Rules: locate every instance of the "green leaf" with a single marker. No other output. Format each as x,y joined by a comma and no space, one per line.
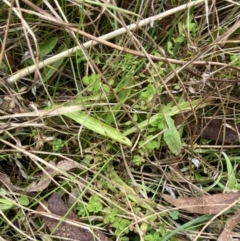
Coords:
179,39
80,57
50,70
149,93
126,239
48,46
174,215
5,204
162,229
159,122
187,225
232,180
153,144
3,191
23,200
93,83
169,47
87,80
44,49
99,127
153,237
172,136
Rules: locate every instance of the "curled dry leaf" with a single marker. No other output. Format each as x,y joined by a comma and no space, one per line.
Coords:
45,179
232,222
214,130
211,204
65,230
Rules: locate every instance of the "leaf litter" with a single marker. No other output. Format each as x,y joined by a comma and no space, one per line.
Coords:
232,222
214,130
209,204
56,205
64,230
213,204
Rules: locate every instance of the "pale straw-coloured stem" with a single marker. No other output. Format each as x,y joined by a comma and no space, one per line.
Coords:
20,74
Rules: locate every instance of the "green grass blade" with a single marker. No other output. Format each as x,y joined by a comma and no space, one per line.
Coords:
48,46
171,111
5,204
49,71
99,127
230,172
189,224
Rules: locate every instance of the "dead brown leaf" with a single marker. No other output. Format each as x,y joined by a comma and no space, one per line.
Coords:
211,204
232,222
216,130
65,230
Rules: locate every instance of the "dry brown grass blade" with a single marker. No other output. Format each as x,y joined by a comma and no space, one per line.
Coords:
65,230
232,222
214,130
211,204
44,113
45,179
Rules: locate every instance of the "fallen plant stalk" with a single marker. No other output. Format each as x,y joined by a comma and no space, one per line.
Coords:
20,74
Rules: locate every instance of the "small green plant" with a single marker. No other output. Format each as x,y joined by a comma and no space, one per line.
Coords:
138,160
151,143
235,59
93,83
4,68
158,124
94,205
149,93
153,236
121,226
112,218
174,215
186,29
162,229
82,210
111,214
157,235
58,144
